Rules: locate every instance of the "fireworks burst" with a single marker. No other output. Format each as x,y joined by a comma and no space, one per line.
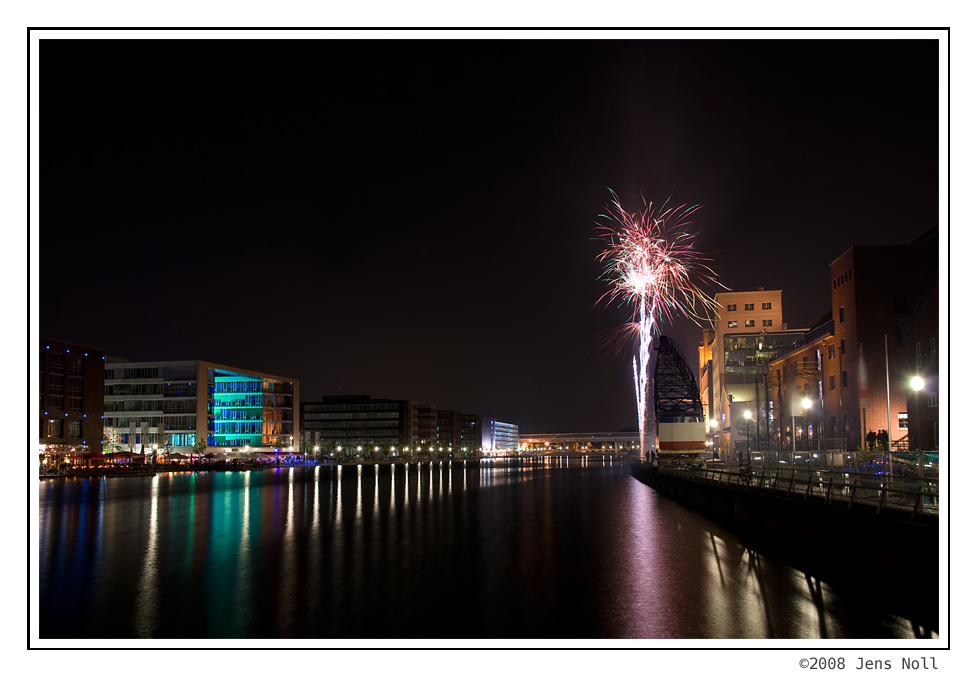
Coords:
650,264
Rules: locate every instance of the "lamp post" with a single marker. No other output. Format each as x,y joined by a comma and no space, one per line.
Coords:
806,403
917,384
712,434
315,454
747,415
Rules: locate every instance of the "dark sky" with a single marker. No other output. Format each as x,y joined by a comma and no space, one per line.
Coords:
415,219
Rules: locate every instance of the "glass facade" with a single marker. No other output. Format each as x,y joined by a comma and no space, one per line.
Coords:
748,355
238,407
250,411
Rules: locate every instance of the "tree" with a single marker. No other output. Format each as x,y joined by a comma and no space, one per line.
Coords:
201,446
111,438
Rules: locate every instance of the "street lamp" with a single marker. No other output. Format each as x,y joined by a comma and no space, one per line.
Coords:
806,403
917,384
315,453
712,432
747,415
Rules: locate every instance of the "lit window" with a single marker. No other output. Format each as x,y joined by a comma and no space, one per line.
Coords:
767,306
731,323
903,420
841,314
747,306
749,323
768,323
732,306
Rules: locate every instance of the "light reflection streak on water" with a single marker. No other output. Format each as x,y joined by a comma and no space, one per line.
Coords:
286,609
376,489
359,492
315,501
243,581
147,595
337,499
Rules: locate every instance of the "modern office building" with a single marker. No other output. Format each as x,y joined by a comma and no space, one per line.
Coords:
471,432
426,416
70,391
449,429
747,330
180,403
499,435
348,421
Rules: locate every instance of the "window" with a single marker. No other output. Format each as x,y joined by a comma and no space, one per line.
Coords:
768,323
749,323
844,379
932,351
834,426
57,363
76,368
731,323
919,354
845,422
731,307
903,420
841,347
831,382
831,351
747,306
54,428
932,400
74,428
841,314
767,306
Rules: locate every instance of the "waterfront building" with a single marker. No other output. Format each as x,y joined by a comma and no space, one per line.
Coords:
181,404
426,416
499,435
471,432
343,422
449,429
859,364
747,330
71,384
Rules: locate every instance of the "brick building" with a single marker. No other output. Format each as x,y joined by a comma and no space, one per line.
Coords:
884,311
71,396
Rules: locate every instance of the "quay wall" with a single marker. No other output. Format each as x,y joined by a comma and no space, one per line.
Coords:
858,539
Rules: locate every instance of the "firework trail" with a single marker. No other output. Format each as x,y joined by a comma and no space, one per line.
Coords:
649,263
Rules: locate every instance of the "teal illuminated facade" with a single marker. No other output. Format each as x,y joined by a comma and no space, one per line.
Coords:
177,403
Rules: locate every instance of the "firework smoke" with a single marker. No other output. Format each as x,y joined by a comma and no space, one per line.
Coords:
651,265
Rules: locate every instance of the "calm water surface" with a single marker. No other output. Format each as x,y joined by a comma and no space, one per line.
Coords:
512,549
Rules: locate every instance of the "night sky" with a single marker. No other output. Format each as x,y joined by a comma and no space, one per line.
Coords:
415,219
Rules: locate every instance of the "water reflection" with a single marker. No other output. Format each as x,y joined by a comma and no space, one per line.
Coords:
148,593
548,547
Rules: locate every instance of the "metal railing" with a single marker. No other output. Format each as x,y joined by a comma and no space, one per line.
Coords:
912,493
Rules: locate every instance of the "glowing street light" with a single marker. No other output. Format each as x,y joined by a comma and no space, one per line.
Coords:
917,384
